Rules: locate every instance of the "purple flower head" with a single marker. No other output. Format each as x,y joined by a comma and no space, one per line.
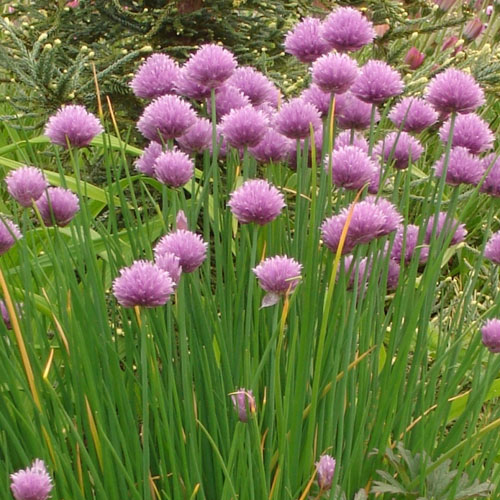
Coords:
145,163
155,77
58,206
463,167
492,250
377,82
256,200
392,217
294,118
351,267
166,118
244,403
211,65
189,247
305,41
470,131
143,284
454,91
413,114
393,272
5,315
459,231
9,234
244,127
491,184
278,275
32,483
325,469
346,29
72,124
170,263
414,58
331,231
344,139
373,187
26,185
173,168
368,222
490,333
187,87
407,237
315,96
352,168
353,113
473,28
228,98
254,85
399,147
197,138
334,73
273,148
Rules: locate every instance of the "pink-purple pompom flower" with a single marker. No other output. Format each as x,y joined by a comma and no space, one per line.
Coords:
170,263
295,117
211,65
377,82
463,167
58,206
278,275
228,98
454,90
304,41
244,127
490,333
346,29
167,117
317,97
351,167
26,185
143,284
448,225
353,113
470,131
155,77
173,168
72,124
370,219
256,200
492,249
334,73
273,148
406,239
491,184
145,163
254,85
413,114
399,147
32,483
189,247
9,234
198,137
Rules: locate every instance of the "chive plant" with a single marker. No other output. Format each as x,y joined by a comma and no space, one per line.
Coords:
224,337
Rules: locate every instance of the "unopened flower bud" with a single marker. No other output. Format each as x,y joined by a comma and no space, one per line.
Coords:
325,469
243,402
